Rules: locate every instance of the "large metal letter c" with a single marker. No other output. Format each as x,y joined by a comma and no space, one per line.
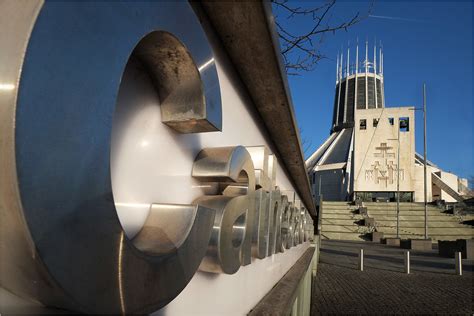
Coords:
61,240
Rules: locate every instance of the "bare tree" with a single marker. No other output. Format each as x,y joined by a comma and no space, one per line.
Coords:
305,143
301,51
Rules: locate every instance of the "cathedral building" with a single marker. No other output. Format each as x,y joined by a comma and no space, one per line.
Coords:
370,152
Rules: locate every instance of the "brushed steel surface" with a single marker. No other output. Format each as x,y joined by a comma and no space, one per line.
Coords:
62,243
19,266
297,223
260,155
272,163
190,96
291,226
233,168
230,165
262,180
275,208
261,228
302,224
226,246
285,224
173,228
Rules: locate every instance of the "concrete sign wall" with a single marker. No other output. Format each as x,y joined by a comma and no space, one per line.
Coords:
135,171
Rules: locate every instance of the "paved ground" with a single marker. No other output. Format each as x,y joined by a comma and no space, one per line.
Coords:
382,288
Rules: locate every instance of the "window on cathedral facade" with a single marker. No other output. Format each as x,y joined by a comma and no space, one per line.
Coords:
404,124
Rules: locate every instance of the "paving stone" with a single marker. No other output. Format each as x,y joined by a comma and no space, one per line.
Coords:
382,288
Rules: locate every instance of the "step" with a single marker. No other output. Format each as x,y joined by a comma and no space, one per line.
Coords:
406,205
338,208
353,228
415,206
435,238
337,211
417,213
393,222
433,209
395,203
434,230
336,203
416,219
439,224
422,211
341,216
446,218
341,236
338,221
371,204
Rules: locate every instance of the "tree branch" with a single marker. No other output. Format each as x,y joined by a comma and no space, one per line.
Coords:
299,51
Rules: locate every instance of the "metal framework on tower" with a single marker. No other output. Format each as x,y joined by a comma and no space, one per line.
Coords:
359,86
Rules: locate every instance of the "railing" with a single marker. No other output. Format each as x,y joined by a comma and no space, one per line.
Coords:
360,70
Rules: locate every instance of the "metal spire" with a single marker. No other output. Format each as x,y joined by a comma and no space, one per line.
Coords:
366,55
337,68
375,56
375,73
381,61
380,58
341,65
357,56
424,160
348,62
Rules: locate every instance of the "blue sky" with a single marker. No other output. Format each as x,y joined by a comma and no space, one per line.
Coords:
425,41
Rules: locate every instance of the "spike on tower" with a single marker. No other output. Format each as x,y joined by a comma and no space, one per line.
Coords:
357,88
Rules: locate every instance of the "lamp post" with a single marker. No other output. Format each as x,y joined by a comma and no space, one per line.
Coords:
398,180
398,177
425,181
424,161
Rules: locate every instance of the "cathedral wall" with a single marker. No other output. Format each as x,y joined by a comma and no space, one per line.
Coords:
419,183
451,180
375,150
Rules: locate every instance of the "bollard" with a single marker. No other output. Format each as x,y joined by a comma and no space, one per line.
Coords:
458,262
361,260
407,262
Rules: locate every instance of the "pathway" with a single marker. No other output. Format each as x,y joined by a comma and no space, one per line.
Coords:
383,288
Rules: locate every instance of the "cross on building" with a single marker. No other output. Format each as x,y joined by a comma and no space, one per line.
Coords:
383,151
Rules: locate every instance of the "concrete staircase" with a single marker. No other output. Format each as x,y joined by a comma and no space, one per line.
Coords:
341,221
441,226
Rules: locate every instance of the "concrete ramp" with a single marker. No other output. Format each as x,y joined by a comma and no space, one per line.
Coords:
445,187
